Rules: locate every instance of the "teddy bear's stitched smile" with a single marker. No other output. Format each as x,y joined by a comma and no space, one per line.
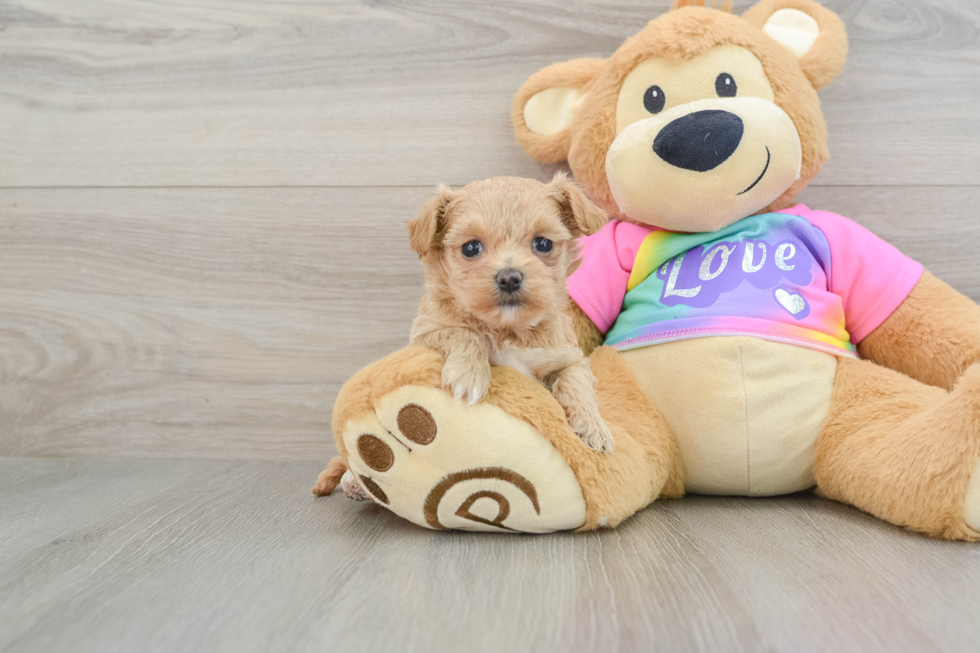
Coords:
761,175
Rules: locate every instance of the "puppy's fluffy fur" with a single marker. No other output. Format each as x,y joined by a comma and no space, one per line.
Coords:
473,320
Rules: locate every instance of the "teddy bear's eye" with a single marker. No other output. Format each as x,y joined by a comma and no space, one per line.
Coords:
542,245
472,248
654,99
725,85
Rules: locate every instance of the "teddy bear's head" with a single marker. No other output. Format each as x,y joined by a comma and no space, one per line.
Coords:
700,120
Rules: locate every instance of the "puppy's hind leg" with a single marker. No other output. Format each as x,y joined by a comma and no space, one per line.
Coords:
352,488
575,389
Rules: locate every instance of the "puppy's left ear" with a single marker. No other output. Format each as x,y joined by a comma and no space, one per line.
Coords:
578,213
814,34
425,231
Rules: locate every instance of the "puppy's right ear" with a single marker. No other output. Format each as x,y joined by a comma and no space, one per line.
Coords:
425,231
545,105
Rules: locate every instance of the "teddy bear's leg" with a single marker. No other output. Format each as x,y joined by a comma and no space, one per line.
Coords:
904,451
510,462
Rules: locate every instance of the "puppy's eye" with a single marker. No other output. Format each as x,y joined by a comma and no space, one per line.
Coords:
725,85
472,248
542,245
654,99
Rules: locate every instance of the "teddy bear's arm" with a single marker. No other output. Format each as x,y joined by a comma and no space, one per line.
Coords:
588,335
933,336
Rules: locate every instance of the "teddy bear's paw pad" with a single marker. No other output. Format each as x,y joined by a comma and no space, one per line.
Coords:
449,465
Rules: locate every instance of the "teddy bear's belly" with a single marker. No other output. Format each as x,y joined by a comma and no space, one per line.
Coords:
746,411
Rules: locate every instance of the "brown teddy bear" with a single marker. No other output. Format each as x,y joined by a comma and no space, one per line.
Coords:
756,346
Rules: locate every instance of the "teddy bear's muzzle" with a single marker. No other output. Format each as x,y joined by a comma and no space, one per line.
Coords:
704,165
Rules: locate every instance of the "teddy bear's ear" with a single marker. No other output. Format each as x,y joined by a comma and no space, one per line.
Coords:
425,231
545,105
578,213
815,35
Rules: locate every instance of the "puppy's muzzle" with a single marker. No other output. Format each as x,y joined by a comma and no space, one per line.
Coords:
509,280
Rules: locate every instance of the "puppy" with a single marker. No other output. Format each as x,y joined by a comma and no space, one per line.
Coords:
496,255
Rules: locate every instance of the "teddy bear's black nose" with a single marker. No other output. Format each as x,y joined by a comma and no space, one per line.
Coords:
699,141
509,280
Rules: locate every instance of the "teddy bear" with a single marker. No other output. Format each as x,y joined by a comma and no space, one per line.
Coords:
743,344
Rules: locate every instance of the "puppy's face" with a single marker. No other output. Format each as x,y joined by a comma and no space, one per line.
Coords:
506,255
503,248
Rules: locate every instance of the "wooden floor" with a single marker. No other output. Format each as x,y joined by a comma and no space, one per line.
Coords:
201,238
197,555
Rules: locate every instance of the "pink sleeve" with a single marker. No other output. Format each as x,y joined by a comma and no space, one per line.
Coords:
599,285
871,276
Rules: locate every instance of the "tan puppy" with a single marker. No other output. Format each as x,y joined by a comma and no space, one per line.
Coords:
496,255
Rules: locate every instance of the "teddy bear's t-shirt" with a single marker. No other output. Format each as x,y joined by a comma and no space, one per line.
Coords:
800,276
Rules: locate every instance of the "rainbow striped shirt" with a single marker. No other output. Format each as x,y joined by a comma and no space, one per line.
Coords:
799,276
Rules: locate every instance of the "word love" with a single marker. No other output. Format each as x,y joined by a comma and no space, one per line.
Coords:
698,276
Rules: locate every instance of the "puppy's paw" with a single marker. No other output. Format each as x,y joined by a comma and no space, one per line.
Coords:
593,431
352,488
468,382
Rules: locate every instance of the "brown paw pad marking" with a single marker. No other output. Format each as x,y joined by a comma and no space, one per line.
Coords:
417,424
503,508
374,489
431,508
375,453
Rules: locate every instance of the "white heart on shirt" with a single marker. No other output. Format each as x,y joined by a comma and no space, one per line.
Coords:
792,302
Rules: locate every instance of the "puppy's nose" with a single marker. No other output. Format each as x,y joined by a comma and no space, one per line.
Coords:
509,280
699,141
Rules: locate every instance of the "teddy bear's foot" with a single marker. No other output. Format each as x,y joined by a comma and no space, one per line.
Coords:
971,512
444,464
509,463
904,451
971,504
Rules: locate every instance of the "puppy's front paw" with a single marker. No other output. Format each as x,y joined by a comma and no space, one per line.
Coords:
468,381
593,431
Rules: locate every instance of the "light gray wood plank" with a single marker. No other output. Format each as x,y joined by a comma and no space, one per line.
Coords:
330,93
799,557
220,323
223,556
214,323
